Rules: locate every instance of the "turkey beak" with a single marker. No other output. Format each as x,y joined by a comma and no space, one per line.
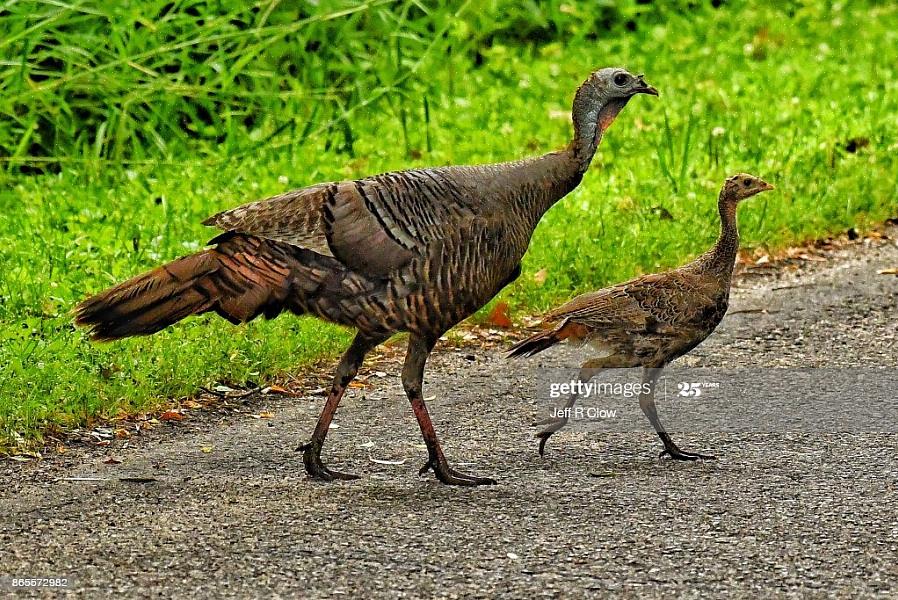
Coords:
643,88
766,186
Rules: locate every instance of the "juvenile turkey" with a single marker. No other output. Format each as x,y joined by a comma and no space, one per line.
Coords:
651,320
414,251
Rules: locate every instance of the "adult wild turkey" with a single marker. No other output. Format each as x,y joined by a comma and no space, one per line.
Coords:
651,320
414,251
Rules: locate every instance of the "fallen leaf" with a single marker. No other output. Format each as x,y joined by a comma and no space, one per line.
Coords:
888,271
499,316
540,276
171,415
276,389
266,415
763,260
110,460
207,449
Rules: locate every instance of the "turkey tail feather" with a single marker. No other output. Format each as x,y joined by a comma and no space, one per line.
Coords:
538,342
239,279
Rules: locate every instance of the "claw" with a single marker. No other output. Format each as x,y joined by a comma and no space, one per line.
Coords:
315,468
450,476
554,425
543,438
677,454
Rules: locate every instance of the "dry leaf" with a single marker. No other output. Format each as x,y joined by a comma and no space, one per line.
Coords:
889,272
266,415
276,389
207,449
171,415
540,276
499,316
110,460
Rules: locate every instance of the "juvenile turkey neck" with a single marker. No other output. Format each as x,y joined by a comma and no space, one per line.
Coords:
722,257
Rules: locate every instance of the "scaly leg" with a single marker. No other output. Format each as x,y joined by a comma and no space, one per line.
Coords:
647,404
413,380
346,372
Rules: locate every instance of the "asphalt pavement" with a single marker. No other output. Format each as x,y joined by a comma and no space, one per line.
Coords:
799,502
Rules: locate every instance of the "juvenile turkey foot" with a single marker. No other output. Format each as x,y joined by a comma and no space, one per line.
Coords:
544,435
671,450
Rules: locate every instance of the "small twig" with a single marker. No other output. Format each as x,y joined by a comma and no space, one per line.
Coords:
789,287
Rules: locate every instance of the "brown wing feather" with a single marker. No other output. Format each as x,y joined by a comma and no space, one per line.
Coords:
374,225
660,302
295,218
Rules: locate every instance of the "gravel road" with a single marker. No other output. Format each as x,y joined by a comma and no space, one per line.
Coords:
789,508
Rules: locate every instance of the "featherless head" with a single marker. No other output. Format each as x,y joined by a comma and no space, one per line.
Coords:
615,82
742,186
597,103
602,96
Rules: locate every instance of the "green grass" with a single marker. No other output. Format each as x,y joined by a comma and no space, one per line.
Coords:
107,169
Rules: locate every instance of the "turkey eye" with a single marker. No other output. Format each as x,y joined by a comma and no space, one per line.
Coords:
620,79
746,182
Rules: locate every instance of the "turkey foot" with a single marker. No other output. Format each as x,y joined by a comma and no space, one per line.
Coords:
671,450
544,435
311,458
450,476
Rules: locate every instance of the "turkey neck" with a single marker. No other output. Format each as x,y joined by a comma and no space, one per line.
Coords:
722,257
545,180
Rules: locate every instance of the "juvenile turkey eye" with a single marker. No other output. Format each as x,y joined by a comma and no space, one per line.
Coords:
745,182
620,79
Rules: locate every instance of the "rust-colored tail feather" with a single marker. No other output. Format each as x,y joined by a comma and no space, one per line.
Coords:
538,342
239,279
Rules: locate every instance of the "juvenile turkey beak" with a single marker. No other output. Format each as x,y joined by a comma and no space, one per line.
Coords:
766,186
643,88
